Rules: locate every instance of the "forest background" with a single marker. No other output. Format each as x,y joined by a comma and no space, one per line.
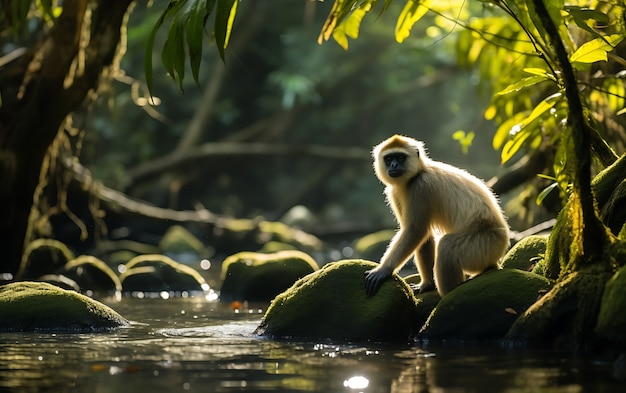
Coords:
288,122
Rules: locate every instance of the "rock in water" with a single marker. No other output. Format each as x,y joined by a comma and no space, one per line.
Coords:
331,304
38,306
256,276
485,307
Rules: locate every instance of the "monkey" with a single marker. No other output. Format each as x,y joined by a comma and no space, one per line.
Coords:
448,219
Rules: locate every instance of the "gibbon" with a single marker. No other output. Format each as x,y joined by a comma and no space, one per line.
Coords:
432,199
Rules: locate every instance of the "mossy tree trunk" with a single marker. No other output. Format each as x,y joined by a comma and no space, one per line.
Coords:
580,246
40,88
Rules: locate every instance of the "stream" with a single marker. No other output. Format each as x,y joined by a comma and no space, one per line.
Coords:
196,345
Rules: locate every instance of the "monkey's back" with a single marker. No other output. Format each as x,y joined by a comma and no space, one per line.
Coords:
458,201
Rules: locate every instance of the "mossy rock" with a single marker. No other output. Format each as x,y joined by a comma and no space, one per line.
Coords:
179,240
426,302
156,273
92,274
331,304
484,307
43,256
611,323
540,268
272,247
256,276
526,253
373,246
38,306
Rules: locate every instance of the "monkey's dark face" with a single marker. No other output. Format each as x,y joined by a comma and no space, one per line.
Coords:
395,163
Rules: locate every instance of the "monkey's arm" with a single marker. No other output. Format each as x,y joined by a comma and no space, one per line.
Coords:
400,249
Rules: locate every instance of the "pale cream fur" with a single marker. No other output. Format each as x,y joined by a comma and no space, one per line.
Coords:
432,197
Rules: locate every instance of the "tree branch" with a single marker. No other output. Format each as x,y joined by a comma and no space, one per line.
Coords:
211,150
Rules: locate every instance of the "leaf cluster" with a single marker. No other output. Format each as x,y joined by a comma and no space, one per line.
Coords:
528,103
185,35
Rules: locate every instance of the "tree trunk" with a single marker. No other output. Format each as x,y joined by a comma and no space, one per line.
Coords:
47,84
579,248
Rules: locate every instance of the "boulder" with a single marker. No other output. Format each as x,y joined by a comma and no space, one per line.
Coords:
257,276
39,306
484,307
331,304
526,253
92,274
180,244
373,246
43,256
157,273
426,302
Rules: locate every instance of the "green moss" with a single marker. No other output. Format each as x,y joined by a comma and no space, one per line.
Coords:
540,268
178,240
331,304
484,307
373,246
259,277
566,315
526,253
612,317
426,303
33,306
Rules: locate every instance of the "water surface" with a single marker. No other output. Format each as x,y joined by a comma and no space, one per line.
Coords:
193,345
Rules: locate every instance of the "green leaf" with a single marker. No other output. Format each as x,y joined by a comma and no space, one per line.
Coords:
581,15
173,54
334,23
544,193
547,177
540,72
522,83
512,146
172,7
518,129
224,18
504,130
541,108
196,14
596,49
413,11
350,26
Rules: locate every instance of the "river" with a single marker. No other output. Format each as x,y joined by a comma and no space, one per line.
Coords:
196,345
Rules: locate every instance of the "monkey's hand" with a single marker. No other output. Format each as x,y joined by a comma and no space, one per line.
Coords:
374,279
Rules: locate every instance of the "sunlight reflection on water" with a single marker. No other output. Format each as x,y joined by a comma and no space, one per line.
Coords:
198,346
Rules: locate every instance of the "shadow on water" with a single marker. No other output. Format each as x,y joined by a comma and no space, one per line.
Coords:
180,345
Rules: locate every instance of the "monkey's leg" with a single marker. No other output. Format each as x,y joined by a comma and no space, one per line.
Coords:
451,250
425,261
